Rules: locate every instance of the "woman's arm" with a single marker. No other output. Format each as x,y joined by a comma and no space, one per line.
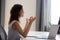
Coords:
24,32
28,25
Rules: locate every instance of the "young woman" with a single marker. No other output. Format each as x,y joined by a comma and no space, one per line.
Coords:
14,28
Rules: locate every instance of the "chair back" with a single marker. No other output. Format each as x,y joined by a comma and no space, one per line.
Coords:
3,34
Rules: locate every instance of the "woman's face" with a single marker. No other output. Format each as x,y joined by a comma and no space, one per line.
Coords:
21,13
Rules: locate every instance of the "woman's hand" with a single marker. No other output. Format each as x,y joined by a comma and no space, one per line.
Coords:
27,21
32,19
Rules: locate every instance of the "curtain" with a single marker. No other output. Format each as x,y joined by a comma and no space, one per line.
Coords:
44,15
41,14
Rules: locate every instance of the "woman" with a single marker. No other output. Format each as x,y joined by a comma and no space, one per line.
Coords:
14,28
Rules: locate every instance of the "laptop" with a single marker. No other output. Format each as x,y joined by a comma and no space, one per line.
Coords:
51,35
53,31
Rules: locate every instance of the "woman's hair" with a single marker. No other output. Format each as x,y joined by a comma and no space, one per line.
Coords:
14,13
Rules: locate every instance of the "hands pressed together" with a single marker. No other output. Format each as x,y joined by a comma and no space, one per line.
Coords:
30,20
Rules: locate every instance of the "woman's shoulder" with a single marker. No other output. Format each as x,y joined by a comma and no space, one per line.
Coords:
14,22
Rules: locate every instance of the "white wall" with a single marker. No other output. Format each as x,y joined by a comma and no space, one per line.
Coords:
29,9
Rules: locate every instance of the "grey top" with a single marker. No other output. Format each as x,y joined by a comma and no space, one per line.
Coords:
13,34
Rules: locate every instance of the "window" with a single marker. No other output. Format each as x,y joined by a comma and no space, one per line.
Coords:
55,11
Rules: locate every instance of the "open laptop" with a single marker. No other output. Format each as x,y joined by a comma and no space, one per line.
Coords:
53,31
51,35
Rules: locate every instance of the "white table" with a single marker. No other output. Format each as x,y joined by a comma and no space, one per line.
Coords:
36,36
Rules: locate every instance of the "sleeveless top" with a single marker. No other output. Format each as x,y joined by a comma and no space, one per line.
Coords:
13,34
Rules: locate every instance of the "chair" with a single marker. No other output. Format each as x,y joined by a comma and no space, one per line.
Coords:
3,34
59,27
0,37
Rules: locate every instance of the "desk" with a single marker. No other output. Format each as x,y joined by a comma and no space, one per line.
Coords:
38,35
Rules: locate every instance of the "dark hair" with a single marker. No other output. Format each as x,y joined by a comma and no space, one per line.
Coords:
14,13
